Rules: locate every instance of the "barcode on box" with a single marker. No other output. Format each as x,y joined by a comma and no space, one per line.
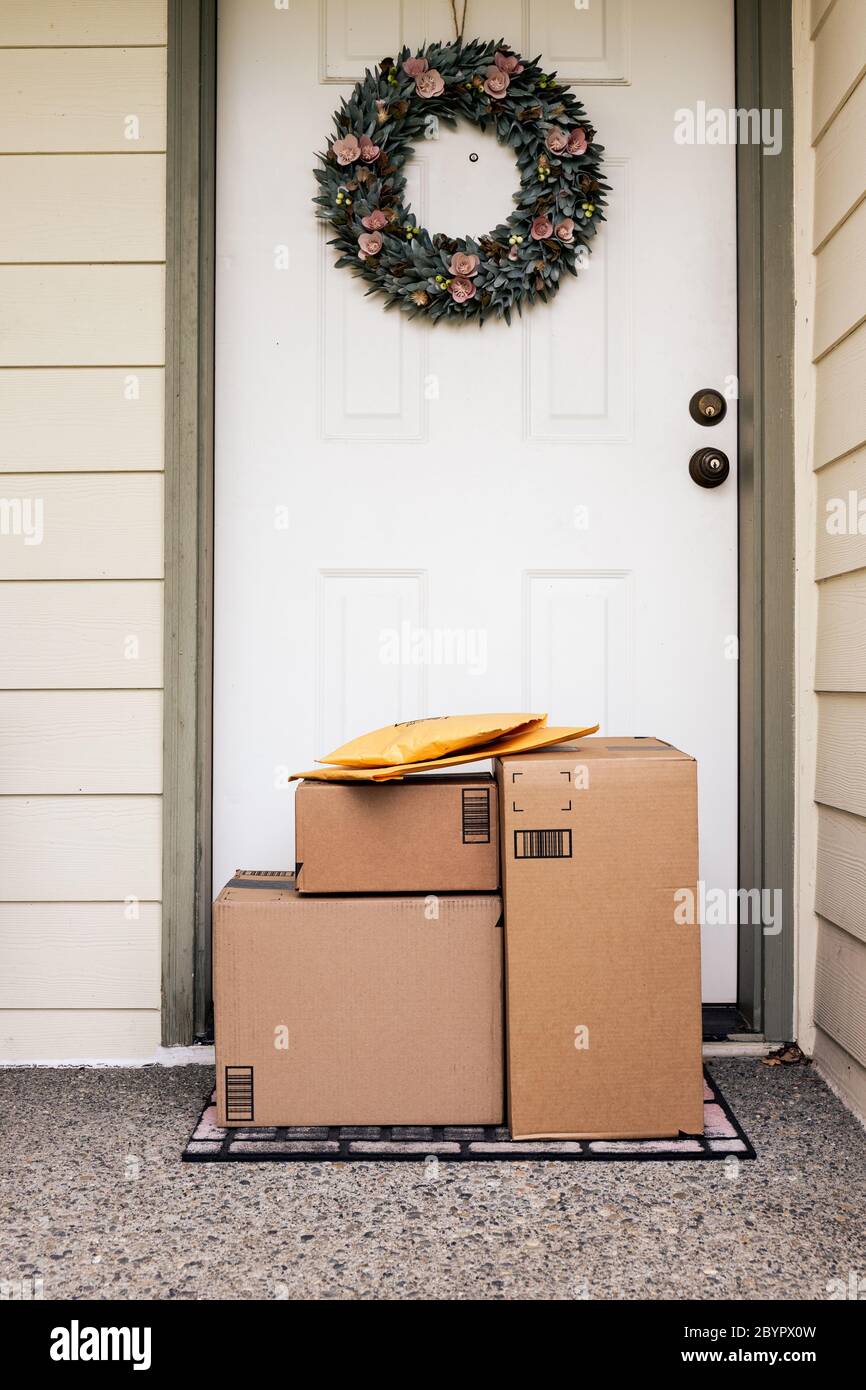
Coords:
239,1095
476,815
542,844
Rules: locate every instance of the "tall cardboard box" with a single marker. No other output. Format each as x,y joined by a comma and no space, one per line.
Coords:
603,985
356,1011
424,835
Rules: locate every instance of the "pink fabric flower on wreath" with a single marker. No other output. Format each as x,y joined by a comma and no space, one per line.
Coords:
346,150
557,140
542,228
463,265
577,142
496,82
368,151
369,244
508,64
413,67
429,84
564,230
462,289
375,220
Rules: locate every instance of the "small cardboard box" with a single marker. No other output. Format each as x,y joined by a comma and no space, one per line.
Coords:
425,835
603,983
356,1011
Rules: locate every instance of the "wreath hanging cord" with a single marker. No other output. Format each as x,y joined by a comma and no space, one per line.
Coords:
559,204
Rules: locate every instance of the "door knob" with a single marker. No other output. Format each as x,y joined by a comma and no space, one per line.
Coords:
708,407
709,467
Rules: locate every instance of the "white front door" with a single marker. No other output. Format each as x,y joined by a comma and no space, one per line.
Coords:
520,495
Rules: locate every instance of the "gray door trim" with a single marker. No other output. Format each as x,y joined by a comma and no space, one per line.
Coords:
766,480
188,640
765,199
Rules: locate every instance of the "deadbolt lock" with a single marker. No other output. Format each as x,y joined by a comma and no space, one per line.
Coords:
708,407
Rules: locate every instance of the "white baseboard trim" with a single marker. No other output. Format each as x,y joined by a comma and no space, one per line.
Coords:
199,1055
202,1055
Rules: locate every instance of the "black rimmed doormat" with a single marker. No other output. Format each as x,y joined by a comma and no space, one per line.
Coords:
723,1137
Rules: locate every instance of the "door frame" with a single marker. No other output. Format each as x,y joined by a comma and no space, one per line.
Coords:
766,517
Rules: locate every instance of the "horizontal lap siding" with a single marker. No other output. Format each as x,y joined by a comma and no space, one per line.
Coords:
82,741
80,955
840,990
839,353
840,61
80,848
81,315
85,636
101,207
81,526
82,23
840,890
80,1034
109,419
840,401
82,100
82,350
841,655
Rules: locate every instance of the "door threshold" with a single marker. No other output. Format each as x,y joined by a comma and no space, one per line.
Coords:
739,1047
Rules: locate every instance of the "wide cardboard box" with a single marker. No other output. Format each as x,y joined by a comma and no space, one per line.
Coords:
603,983
435,834
356,1010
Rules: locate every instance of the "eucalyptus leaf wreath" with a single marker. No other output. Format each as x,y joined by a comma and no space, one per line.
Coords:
559,204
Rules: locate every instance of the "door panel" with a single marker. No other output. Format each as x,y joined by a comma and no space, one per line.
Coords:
414,521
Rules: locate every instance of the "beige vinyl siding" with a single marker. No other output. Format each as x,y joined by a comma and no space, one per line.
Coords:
80,741
840,990
59,1035
92,526
838,351
840,298
840,167
840,419
85,636
840,889
101,207
88,420
81,315
82,349
840,61
841,654
817,14
82,23
840,546
82,100
80,848
80,955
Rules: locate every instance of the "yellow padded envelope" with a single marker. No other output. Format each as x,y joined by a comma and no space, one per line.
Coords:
541,736
419,740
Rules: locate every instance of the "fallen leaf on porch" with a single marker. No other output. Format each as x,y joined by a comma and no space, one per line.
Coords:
788,1055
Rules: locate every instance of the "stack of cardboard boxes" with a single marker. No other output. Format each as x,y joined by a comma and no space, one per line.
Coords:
367,987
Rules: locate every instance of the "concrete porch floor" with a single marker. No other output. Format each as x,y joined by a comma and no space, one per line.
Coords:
94,1199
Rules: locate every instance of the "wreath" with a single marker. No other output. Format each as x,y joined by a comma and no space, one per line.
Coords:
559,203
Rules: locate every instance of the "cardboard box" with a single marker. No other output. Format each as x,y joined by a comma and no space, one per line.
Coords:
428,835
603,984
361,1011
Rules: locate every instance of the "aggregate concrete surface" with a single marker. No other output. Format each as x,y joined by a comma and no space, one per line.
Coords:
96,1201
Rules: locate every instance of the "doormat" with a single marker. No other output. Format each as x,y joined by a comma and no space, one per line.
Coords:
723,1137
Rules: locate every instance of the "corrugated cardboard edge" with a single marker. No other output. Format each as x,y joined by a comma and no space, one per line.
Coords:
616,1134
